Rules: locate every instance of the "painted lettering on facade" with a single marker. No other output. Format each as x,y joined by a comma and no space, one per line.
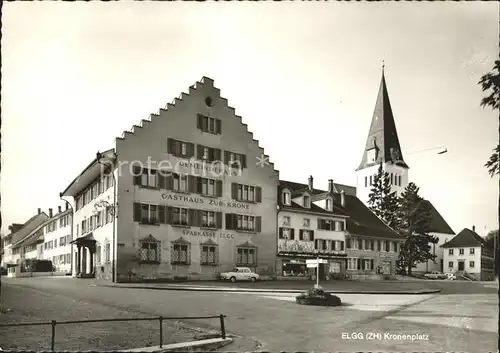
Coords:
204,201
285,245
215,168
207,233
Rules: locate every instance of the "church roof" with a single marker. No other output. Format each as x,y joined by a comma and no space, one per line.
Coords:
383,135
438,224
466,238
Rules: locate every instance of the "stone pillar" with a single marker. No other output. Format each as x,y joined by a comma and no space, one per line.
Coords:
91,262
84,260
79,260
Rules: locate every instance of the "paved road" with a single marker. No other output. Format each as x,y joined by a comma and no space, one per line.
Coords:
454,322
446,287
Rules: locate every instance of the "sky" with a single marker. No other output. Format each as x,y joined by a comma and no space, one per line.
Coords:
304,76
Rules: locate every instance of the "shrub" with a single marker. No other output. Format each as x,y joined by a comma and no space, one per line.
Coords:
317,296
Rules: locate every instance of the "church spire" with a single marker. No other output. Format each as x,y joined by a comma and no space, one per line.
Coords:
382,145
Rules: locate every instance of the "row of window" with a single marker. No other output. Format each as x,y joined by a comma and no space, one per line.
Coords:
95,189
161,214
209,124
393,179
195,184
450,264
323,224
186,149
95,221
150,252
52,244
462,251
372,245
354,263
61,259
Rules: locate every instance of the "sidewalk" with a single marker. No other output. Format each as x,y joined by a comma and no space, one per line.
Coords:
337,287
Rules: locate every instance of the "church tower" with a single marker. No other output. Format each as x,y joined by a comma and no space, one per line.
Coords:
382,146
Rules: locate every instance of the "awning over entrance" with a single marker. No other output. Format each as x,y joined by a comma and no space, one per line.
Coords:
85,240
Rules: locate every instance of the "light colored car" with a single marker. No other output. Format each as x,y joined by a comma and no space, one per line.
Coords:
451,276
435,275
240,274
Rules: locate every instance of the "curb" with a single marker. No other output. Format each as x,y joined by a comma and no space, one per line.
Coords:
252,290
191,346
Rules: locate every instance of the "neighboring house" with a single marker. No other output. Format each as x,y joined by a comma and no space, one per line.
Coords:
371,247
383,148
56,240
468,252
195,195
14,249
308,231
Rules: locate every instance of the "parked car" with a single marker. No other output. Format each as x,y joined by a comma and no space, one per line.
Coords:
435,275
451,276
240,274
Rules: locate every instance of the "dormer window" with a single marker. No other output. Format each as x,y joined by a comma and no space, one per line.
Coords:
371,155
307,201
329,205
286,198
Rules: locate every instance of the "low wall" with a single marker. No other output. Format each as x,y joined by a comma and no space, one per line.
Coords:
34,274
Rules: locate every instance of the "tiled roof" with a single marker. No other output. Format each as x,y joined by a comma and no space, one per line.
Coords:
361,220
349,190
438,224
28,227
466,238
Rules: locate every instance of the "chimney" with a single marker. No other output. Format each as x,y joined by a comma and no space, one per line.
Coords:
39,211
310,183
330,185
59,209
342,198
474,229
50,212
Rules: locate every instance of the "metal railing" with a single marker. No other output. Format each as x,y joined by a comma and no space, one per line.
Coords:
53,324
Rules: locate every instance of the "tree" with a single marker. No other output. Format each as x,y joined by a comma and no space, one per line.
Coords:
415,219
490,83
382,201
490,238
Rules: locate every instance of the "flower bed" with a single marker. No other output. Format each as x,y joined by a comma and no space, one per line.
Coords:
317,296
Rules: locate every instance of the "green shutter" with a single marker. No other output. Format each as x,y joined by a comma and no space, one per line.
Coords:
194,219
170,145
258,224
191,180
226,157
312,235
190,150
234,191
292,234
137,212
218,154
243,161
229,221
137,176
218,186
280,233
218,220
199,149
199,121
218,126
258,194
168,215
162,214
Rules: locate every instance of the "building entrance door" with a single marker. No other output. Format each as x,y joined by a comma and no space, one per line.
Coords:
461,265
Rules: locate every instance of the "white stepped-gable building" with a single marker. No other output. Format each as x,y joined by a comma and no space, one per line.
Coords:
192,194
